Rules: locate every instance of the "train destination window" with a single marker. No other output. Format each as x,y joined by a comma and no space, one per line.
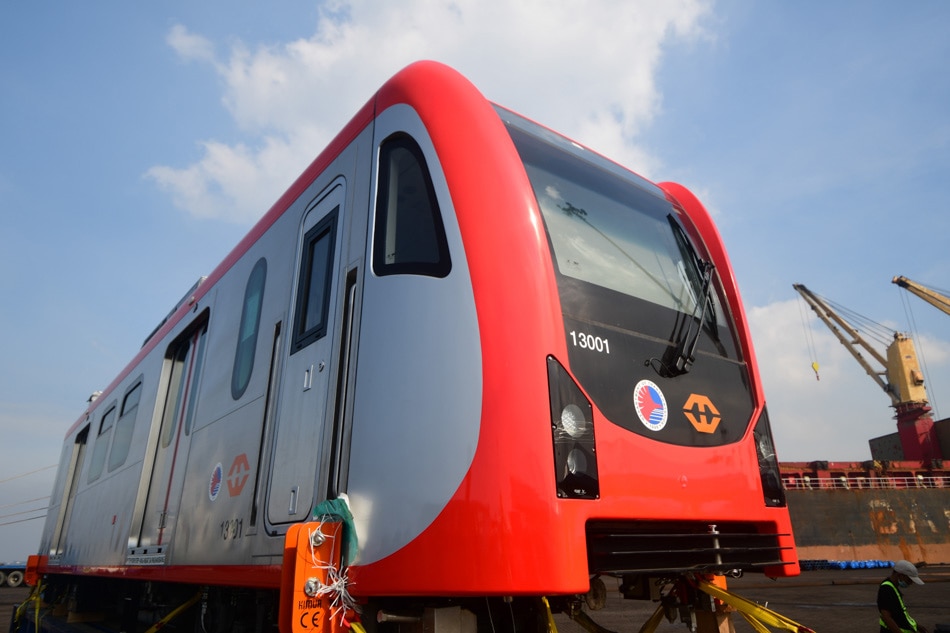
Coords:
102,444
316,274
124,427
247,331
409,236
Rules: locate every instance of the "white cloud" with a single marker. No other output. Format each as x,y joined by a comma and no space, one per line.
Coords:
190,46
235,183
586,71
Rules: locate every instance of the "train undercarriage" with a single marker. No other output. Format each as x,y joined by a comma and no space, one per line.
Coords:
67,604
314,597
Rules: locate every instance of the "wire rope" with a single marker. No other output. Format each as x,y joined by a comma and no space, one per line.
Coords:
21,512
809,336
867,326
40,516
20,503
936,289
26,474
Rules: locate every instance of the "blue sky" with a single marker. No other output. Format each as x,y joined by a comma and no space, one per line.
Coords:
141,141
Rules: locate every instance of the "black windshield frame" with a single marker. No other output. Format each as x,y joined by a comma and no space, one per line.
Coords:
623,343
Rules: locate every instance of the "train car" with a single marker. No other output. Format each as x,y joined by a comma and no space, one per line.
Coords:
505,364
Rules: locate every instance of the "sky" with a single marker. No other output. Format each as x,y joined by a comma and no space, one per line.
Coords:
140,141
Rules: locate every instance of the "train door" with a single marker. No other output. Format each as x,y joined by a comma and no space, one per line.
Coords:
302,432
69,493
184,363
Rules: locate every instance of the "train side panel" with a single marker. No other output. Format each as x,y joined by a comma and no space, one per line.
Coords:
205,500
493,535
419,378
270,443
99,486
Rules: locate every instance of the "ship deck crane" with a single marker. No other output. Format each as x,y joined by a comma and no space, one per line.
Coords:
931,296
898,374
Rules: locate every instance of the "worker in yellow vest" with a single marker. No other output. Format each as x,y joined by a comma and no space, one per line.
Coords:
890,600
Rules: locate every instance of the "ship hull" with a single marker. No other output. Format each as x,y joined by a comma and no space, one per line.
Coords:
869,511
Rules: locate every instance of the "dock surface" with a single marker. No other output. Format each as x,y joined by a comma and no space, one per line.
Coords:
830,601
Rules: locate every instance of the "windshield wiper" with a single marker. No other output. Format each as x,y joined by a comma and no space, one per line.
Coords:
679,359
686,349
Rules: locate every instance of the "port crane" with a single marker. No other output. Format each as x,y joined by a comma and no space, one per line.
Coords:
897,373
931,296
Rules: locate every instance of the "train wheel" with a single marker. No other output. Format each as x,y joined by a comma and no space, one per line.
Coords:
3,578
14,578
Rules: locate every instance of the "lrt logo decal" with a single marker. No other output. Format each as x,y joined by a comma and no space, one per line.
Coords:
701,413
650,404
214,484
238,474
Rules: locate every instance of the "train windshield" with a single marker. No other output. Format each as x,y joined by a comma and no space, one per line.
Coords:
606,232
638,301
609,227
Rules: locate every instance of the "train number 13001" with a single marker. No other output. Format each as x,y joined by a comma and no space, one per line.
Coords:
591,342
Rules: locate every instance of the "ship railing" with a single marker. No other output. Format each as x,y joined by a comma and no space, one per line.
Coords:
852,482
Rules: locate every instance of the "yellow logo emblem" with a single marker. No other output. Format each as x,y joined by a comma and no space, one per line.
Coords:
701,413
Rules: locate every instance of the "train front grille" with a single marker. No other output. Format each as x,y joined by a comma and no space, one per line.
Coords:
619,547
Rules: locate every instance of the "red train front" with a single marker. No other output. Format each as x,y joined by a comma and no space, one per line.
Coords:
522,365
621,427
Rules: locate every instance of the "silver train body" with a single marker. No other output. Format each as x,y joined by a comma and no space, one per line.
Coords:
208,478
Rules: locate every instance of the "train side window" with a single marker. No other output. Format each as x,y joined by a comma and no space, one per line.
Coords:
124,427
316,274
409,237
102,444
247,331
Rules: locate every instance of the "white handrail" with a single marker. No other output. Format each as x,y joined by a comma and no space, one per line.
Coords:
807,482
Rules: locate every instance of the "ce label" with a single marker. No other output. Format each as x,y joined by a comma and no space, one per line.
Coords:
314,619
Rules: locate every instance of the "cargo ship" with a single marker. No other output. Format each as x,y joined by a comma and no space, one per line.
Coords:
897,504
885,508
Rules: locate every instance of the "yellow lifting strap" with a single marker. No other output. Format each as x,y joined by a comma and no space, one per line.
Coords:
755,614
35,599
174,613
650,625
552,626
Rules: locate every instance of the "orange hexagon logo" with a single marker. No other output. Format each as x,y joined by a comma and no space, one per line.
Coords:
701,413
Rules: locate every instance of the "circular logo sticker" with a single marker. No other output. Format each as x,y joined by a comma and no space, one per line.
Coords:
650,404
214,486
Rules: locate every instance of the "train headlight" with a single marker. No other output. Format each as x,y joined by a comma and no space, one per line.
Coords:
576,462
572,433
573,421
772,490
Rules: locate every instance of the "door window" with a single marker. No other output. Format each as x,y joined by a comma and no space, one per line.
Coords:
124,427
102,444
316,271
409,237
247,332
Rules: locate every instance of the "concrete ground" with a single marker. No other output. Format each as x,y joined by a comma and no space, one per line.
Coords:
836,601
833,601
